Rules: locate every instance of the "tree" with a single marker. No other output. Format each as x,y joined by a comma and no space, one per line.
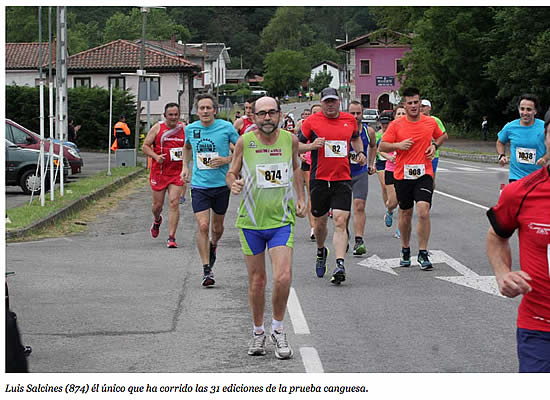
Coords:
322,52
129,26
321,80
287,30
285,70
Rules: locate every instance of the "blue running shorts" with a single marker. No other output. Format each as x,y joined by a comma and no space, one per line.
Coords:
533,350
254,241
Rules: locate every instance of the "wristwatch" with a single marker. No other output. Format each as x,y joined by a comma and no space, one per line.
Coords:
436,146
501,155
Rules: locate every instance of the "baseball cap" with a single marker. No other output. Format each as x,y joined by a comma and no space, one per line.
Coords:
426,102
329,93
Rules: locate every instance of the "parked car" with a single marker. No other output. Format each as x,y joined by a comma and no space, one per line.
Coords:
370,115
25,138
21,168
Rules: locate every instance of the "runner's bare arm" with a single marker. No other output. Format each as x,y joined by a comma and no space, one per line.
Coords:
147,147
238,124
371,152
357,144
233,178
187,156
298,179
510,283
501,149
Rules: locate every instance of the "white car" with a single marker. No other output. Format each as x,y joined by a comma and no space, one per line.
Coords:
370,115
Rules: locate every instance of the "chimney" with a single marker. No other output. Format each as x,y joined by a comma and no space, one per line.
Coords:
173,41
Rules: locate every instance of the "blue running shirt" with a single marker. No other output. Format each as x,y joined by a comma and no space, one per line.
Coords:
208,142
526,146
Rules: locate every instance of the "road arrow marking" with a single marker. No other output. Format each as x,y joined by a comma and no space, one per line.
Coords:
468,278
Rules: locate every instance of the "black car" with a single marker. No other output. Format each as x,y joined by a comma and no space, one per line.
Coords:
21,168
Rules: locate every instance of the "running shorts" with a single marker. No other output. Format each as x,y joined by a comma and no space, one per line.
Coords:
380,165
414,190
215,198
360,186
254,241
533,350
326,195
305,166
160,182
388,178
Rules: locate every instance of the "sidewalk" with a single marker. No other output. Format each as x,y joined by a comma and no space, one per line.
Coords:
470,150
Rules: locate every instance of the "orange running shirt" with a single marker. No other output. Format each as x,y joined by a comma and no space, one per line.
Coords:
421,132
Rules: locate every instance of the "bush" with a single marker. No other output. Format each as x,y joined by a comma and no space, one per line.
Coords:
89,107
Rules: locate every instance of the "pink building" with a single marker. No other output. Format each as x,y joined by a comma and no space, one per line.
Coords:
374,62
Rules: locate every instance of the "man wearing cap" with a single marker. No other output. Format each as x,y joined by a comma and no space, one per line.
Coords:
426,109
415,137
330,132
524,206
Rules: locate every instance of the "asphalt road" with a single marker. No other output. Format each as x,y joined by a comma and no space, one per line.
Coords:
115,300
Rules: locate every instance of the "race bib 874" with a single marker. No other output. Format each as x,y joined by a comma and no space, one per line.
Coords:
272,175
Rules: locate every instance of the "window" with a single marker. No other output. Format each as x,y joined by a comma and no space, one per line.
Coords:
365,67
365,100
20,137
117,82
153,79
82,82
399,66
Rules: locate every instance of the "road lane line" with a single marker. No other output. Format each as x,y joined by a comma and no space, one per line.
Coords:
311,360
469,169
296,314
462,200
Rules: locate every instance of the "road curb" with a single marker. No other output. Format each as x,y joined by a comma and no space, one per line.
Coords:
488,158
76,205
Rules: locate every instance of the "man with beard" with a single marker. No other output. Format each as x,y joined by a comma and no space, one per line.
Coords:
267,158
210,141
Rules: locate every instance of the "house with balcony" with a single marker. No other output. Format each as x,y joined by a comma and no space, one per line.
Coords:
375,59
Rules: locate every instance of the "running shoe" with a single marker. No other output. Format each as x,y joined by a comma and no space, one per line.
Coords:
155,228
283,350
256,346
182,199
405,258
388,219
424,260
338,275
312,235
397,234
208,277
359,249
212,259
321,263
171,244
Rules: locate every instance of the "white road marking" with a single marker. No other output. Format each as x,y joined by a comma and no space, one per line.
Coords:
441,169
462,200
453,162
296,314
311,360
468,278
469,169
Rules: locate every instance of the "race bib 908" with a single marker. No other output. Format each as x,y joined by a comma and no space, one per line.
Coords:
414,171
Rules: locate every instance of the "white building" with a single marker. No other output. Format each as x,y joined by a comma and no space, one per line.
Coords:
335,70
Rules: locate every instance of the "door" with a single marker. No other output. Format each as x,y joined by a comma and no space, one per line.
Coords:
384,102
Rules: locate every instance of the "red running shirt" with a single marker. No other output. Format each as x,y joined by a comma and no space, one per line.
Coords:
246,123
330,163
525,205
421,132
170,143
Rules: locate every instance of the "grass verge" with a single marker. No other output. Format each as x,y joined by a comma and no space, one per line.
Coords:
27,214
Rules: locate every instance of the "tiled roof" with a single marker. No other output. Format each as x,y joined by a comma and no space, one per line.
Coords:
125,55
332,63
190,49
385,36
25,55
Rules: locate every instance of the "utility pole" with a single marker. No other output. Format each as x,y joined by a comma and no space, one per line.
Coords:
61,79
141,71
